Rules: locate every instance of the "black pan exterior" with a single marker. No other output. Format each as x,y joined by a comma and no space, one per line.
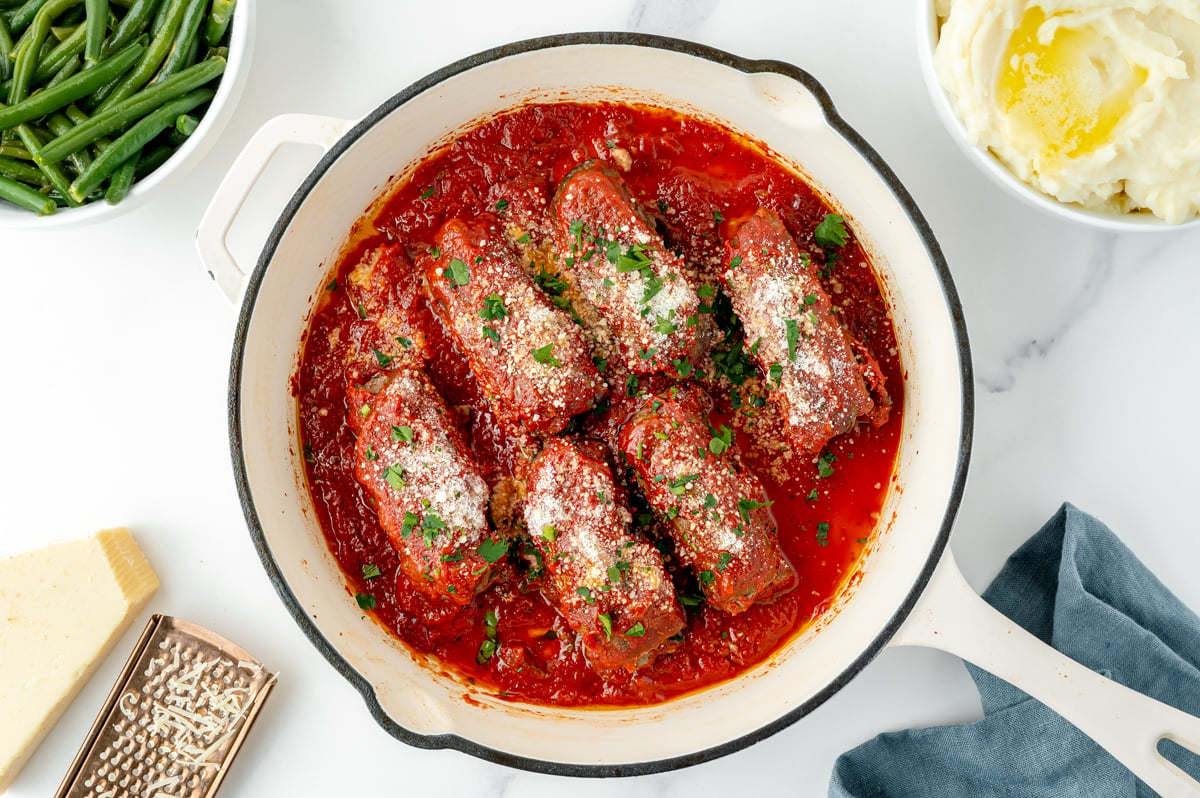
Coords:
254,523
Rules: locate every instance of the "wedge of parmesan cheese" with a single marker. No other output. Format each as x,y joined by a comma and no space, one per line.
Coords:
61,609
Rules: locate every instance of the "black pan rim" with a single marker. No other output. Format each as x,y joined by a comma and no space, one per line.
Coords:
950,294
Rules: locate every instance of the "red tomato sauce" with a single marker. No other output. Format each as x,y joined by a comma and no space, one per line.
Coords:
692,168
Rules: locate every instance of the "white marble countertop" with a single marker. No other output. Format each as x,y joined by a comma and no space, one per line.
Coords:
113,411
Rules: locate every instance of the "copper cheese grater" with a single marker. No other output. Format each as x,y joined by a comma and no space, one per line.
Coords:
174,720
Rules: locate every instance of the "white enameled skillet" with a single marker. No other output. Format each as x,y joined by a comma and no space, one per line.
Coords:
910,591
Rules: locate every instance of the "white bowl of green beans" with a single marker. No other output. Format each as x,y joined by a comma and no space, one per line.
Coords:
103,100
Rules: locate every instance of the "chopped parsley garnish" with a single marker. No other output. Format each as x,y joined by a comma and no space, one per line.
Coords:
600,363
457,556
458,273
683,367
587,594
550,282
648,354
549,533
664,325
812,496
362,312
308,453
492,550
366,601
793,337
706,292
662,206
721,440
493,307
825,465
745,506
490,637
775,373
404,434
724,560
831,232
404,342
717,217
370,570
501,204
678,486
710,501
631,385
545,356
606,622
637,630
523,239
411,522
735,261
810,299
427,193
332,285
384,360
823,533
707,577
488,332
364,411
394,476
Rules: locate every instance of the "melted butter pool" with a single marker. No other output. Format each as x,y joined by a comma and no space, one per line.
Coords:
1065,96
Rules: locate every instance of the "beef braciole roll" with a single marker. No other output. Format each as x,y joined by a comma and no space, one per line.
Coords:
609,585
381,289
616,264
413,460
715,509
530,357
805,355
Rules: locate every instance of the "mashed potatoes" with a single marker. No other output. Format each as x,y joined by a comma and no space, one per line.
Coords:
1095,102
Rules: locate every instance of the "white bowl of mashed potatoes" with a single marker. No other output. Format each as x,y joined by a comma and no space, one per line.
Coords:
1089,109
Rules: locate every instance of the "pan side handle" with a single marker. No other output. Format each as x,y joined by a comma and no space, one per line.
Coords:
952,617
226,205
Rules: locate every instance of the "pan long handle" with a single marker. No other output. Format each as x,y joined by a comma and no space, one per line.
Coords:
952,617
213,233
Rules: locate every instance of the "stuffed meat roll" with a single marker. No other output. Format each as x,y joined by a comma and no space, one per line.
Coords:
530,357
432,502
715,509
806,357
610,585
616,264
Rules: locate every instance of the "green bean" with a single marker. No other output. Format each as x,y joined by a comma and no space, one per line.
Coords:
59,125
71,89
6,46
97,28
19,170
76,116
160,45
153,159
33,143
121,180
70,47
68,69
130,27
10,149
129,110
72,16
21,18
26,197
187,124
218,21
193,15
28,50
134,140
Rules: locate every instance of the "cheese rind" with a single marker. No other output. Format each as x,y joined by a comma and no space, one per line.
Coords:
61,609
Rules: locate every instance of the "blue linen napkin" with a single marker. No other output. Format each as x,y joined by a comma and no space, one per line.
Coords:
1076,586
